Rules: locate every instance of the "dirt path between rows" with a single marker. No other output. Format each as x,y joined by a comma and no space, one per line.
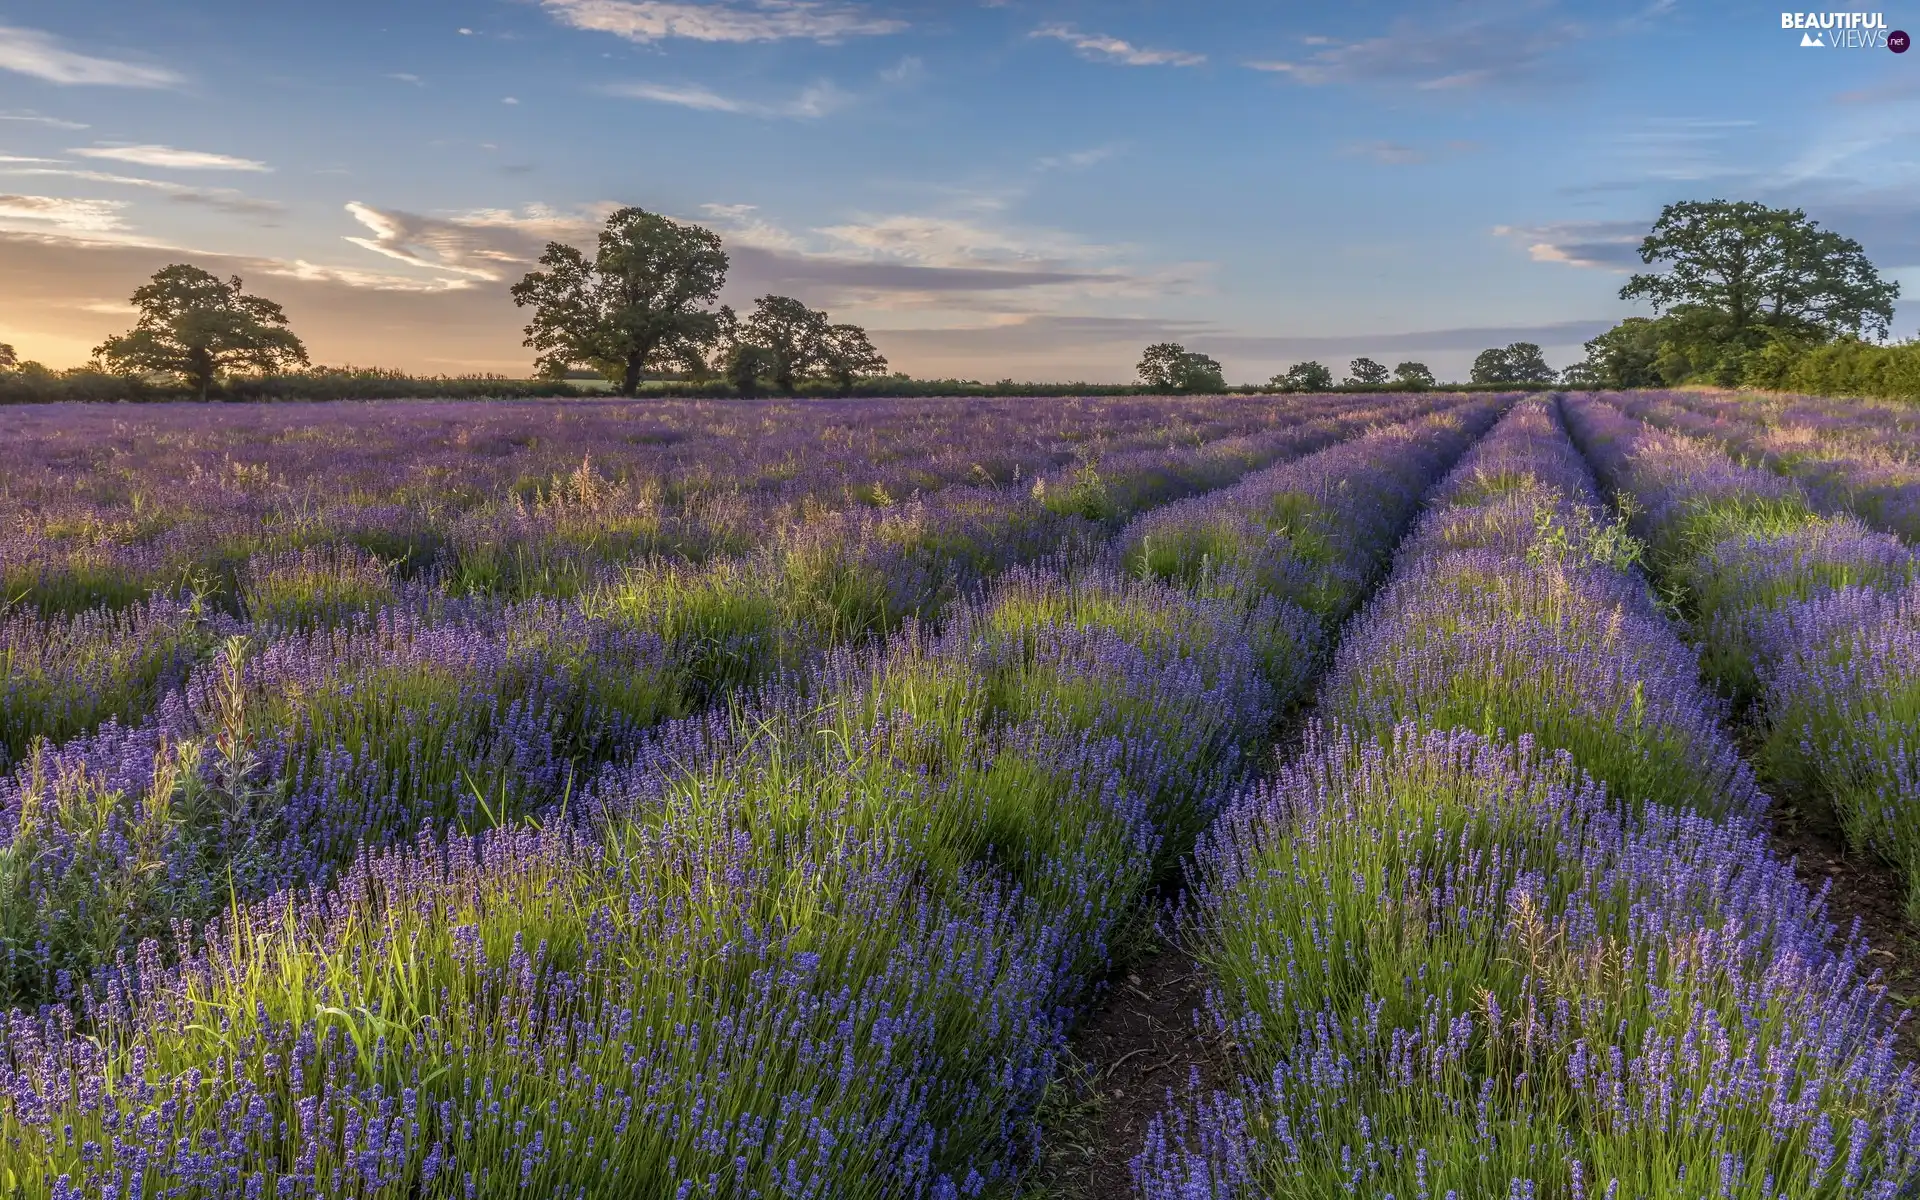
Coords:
1860,887
1145,1043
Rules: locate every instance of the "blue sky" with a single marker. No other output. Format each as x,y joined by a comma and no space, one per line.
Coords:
1016,188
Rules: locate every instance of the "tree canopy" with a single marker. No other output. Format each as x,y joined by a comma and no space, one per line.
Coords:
1413,375
197,326
1756,271
794,333
1171,367
8,358
1747,292
639,304
1307,376
745,364
1518,362
847,355
1366,372
796,343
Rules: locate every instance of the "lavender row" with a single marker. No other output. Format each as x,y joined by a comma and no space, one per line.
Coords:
1815,619
1860,457
1507,927
829,951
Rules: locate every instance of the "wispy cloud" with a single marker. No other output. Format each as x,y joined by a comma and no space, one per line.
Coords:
906,70
169,158
1391,153
1078,159
407,77
221,199
1101,47
484,245
722,20
1889,91
31,52
308,272
819,100
61,214
1608,245
1504,49
30,117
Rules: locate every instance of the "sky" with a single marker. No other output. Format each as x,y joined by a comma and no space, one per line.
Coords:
1029,189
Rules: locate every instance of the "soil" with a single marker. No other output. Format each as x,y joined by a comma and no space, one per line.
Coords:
1133,1056
1860,887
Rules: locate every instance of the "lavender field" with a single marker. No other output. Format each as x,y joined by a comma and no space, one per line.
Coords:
757,799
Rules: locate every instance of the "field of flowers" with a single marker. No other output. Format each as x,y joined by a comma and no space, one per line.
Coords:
750,799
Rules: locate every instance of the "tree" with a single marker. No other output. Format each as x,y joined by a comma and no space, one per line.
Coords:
1366,373
1413,375
198,326
794,333
1528,365
847,355
1755,271
746,364
8,359
1626,356
1490,366
1160,366
1171,367
1520,362
639,305
1303,377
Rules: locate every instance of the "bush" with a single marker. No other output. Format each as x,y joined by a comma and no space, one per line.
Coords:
1856,368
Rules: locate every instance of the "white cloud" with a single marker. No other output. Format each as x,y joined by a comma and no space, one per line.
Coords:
60,214
30,117
818,100
407,77
106,177
743,223
1507,48
906,70
168,158
1078,159
1100,46
221,199
1391,153
31,52
485,245
307,272
1608,245
723,21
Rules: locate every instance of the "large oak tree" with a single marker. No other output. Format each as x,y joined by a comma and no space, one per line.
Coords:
197,326
1756,271
639,304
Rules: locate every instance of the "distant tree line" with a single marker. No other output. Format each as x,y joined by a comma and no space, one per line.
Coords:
1750,296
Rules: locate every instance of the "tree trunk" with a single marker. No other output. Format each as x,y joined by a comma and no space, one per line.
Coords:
200,365
630,381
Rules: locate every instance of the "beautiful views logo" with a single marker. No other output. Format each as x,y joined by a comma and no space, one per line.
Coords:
1844,30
